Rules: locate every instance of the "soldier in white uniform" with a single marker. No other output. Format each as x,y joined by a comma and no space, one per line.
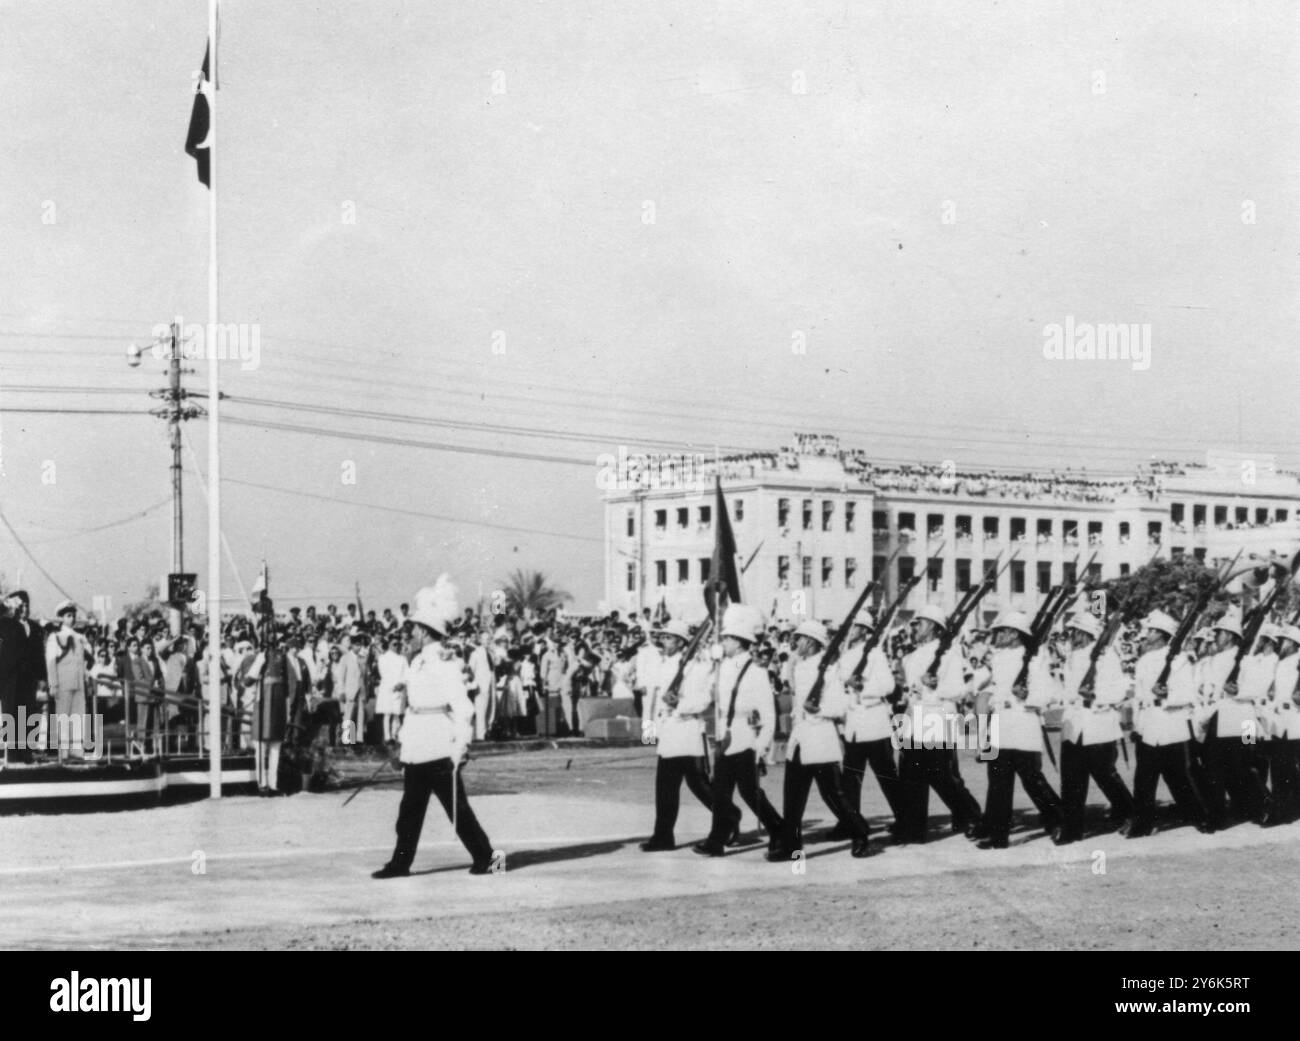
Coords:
1018,729
1283,715
813,752
1230,726
745,724
929,759
676,726
1090,729
867,727
1162,725
437,728
1255,682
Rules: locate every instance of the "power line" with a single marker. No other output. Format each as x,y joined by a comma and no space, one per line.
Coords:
411,513
23,546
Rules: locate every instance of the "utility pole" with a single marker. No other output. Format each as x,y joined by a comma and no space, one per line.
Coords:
175,410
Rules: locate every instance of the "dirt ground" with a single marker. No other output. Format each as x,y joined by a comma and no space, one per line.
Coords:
247,873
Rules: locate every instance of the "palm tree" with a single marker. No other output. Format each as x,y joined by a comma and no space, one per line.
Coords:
529,591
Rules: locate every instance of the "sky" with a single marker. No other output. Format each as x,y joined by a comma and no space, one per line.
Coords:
483,243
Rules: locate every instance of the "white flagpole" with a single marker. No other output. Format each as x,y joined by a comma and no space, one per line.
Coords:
214,443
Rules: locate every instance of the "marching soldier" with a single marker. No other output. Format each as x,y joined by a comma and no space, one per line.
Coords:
867,727
1255,682
675,724
1018,732
924,761
813,751
1090,729
1284,716
437,728
745,725
1230,730
1162,727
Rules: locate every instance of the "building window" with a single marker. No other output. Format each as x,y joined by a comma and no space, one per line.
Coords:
683,517
1242,513
934,574
879,522
1176,553
1199,553
828,514
1198,516
963,575
828,571
1153,532
990,569
1176,512
1018,527
1094,533
1123,532
878,563
683,571
631,578
934,525
1070,532
631,523
1279,516
706,565
990,527
1220,516
906,525
1044,532
1017,576
807,515
1094,570
782,513
706,516
1261,515
906,569
1044,576
849,509
783,571
850,572
1069,572
740,509
661,520
963,526
806,573
1123,571
661,573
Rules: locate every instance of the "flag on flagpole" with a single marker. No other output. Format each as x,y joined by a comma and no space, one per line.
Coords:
196,140
258,595
723,587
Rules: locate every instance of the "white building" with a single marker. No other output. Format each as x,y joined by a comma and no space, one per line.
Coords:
813,523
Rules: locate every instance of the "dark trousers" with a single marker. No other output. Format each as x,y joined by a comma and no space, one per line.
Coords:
670,772
1285,769
1171,762
1230,770
1079,764
419,779
921,769
879,755
739,772
1003,771
829,777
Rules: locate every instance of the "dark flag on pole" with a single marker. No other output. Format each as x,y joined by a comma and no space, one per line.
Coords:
196,141
723,587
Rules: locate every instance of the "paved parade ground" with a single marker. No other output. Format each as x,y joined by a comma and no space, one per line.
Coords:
295,873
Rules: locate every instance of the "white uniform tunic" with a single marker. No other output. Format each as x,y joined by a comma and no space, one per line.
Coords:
1253,706
934,710
815,736
1230,713
1283,713
1017,725
754,699
1169,722
439,719
679,729
869,714
1099,723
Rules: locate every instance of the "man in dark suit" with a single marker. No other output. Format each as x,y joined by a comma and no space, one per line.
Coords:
22,662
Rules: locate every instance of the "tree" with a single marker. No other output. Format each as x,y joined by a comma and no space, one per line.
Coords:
529,591
1171,586
151,605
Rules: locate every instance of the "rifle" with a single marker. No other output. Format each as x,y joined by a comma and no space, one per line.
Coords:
1256,622
958,618
832,651
671,695
1108,632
